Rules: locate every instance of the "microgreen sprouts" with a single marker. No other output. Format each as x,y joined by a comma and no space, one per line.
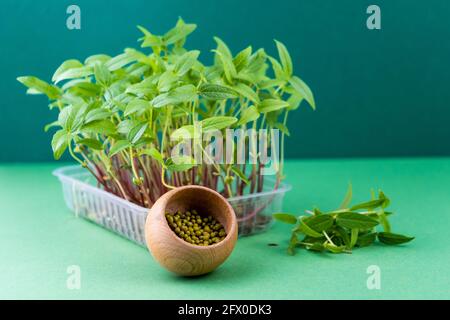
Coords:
340,230
118,115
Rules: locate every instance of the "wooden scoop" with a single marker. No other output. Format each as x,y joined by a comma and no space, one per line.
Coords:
177,255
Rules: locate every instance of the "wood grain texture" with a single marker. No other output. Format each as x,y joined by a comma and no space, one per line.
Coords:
177,255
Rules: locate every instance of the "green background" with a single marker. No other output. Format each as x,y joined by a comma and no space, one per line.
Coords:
379,92
41,238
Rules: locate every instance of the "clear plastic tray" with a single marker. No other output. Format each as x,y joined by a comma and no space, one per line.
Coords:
254,211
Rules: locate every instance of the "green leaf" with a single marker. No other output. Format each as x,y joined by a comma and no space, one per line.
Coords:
246,92
182,94
83,88
353,237
162,100
51,125
228,66
242,59
303,90
353,220
137,132
393,239
186,62
319,223
222,48
39,86
384,220
366,239
248,115
315,246
184,132
294,101
333,248
97,114
119,61
179,32
137,106
348,198
96,58
118,147
240,174
71,117
74,73
343,234
144,88
167,80
91,143
100,127
269,105
285,58
372,204
292,244
149,40
305,229
66,65
155,154
216,92
278,71
180,163
60,142
102,74
217,123
285,217
386,200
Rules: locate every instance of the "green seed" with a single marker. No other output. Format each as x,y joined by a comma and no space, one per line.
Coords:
196,229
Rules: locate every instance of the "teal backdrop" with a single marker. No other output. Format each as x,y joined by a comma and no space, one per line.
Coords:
378,92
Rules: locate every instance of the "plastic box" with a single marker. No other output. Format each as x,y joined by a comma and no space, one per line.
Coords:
254,211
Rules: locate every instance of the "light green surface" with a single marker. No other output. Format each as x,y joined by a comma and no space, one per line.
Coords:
39,239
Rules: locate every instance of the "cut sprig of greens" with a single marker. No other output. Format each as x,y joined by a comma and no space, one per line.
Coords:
118,114
341,230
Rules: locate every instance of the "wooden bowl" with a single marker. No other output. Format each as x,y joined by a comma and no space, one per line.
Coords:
177,255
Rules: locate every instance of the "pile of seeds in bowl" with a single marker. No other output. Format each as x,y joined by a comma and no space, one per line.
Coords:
196,229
